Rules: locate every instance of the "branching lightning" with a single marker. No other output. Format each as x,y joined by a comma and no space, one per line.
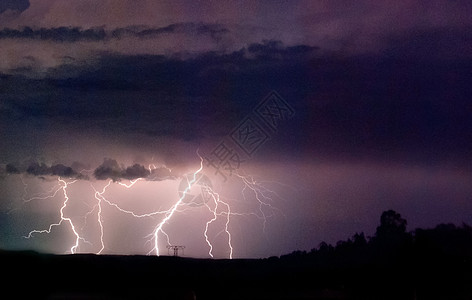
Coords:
172,210
64,186
217,205
261,194
216,198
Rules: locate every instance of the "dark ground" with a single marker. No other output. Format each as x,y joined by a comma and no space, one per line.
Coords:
82,276
394,264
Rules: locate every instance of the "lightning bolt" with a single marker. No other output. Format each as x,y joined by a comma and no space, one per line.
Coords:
217,200
64,185
99,196
41,196
261,194
171,211
219,208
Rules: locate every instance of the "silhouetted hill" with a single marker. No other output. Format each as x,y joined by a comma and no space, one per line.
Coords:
393,264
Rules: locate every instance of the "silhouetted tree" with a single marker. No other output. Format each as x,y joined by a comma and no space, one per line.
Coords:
391,223
391,239
359,240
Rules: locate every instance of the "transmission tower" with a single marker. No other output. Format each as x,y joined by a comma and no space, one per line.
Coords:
175,249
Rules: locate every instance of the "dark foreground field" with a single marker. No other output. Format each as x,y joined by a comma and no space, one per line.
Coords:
393,264
40,276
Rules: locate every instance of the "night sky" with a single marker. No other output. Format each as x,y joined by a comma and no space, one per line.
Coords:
372,112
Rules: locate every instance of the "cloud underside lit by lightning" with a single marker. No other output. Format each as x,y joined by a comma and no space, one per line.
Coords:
216,205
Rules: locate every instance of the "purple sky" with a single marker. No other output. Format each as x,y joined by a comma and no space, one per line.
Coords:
100,90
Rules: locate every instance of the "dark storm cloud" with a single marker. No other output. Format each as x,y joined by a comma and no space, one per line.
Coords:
135,171
110,169
42,169
388,105
268,62
60,34
274,49
214,30
38,169
19,5
172,97
75,34
12,169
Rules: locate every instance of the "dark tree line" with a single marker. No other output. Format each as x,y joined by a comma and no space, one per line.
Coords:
394,263
392,241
